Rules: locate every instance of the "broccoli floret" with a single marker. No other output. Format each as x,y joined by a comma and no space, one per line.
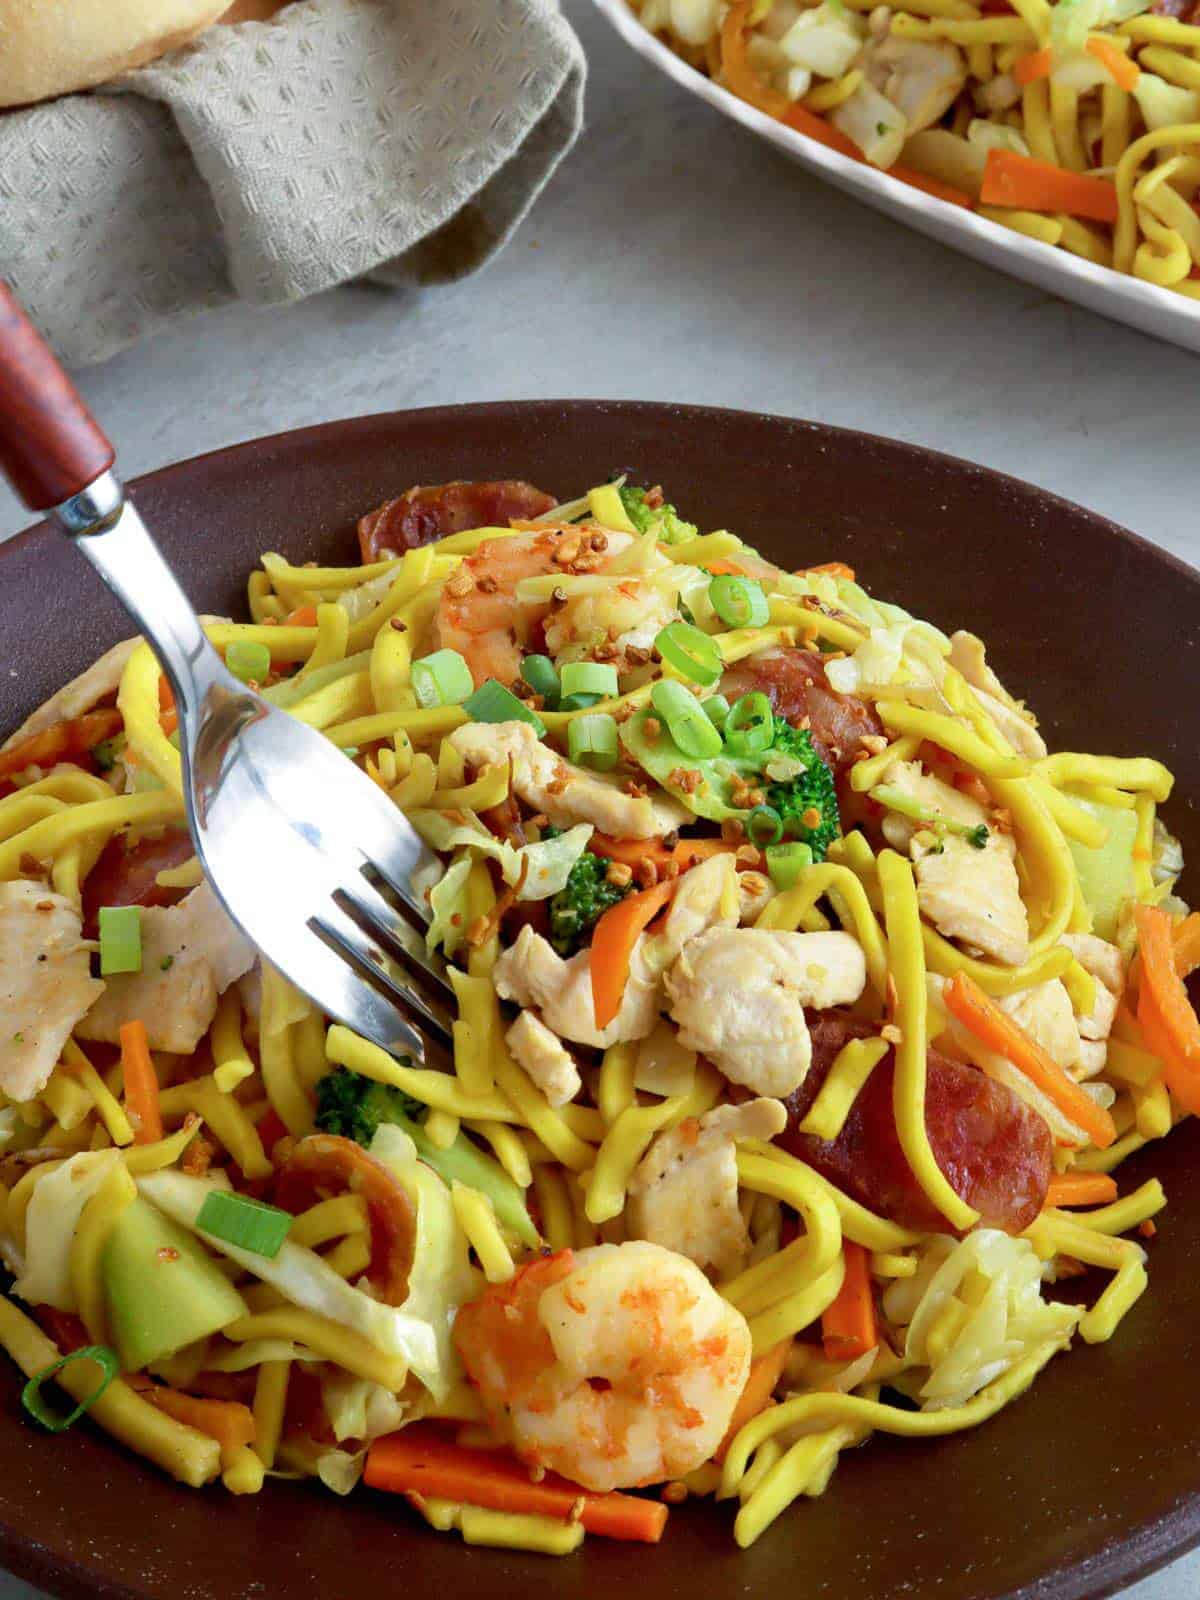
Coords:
665,520
353,1106
585,896
801,788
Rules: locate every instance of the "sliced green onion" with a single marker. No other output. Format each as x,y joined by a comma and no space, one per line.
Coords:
750,725
590,677
247,1223
739,602
120,940
579,702
690,652
691,730
492,702
764,826
592,741
248,660
31,1394
716,709
786,862
441,679
539,674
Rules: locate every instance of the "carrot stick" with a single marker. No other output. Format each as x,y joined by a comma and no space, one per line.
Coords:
1161,980
1124,72
739,75
1081,1189
1021,182
166,695
685,854
848,1327
74,738
1187,945
1029,68
830,569
302,617
932,186
229,1422
141,1083
723,568
765,1373
613,939
815,127
978,1013
422,1460
169,721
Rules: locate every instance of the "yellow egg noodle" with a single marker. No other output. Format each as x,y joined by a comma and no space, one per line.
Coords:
1075,123
764,905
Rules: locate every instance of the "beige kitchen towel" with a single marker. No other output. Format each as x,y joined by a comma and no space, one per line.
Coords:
388,139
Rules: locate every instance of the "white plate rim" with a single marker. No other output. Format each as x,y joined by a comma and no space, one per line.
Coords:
1130,300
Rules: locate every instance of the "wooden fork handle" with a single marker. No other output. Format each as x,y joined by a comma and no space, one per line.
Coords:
51,447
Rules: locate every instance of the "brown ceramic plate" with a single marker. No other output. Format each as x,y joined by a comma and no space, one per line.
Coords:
1090,1480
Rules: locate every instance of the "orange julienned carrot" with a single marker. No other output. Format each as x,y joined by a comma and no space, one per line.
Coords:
613,939
1081,1189
982,1017
141,1083
420,1459
808,122
302,617
166,695
685,854
169,721
1029,68
73,738
721,568
1187,944
229,1422
1124,72
765,1372
830,569
1025,184
848,1327
739,75
1164,1012
931,186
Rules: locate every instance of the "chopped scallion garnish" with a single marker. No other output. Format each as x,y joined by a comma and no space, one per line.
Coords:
248,660
120,940
691,731
592,741
690,652
739,602
590,677
441,679
786,862
31,1394
492,702
247,1223
539,674
750,725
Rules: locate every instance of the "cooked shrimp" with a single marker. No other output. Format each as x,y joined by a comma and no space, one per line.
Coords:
617,1366
479,614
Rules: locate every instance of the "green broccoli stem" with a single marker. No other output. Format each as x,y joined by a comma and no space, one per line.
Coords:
462,1161
975,833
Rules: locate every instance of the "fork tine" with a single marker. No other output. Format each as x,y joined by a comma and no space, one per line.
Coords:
322,970
379,970
381,918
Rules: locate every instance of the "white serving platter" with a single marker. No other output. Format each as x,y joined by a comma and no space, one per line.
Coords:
1141,305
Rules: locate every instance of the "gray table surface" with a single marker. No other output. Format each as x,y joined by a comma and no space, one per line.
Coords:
676,258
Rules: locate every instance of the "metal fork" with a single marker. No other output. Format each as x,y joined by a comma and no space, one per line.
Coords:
308,856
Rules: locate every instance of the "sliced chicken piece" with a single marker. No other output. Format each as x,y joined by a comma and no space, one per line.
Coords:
566,794
755,889
1045,1014
1103,960
46,984
738,995
545,1058
973,896
1018,725
706,897
191,953
684,1193
532,973
913,781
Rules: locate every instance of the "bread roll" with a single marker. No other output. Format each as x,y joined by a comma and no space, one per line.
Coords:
52,47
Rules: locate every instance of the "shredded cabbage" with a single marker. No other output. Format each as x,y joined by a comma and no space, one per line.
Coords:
1072,20
876,126
824,41
1162,104
973,1309
544,867
876,661
362,599
50,1222
448,903
442,1277
985,135
359,1409
302,1277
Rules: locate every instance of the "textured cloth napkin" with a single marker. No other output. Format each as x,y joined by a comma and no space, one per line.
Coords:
393,139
